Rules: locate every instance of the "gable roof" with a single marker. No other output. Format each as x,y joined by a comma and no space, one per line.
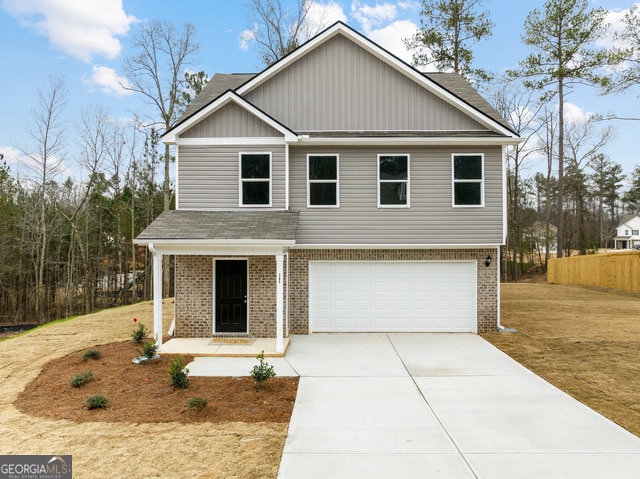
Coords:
625,219
450,87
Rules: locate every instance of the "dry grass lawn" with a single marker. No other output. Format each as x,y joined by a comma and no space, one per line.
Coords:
584,340
125,449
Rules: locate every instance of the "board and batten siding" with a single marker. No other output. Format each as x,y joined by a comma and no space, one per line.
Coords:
430,220
231,121
208,177
339,86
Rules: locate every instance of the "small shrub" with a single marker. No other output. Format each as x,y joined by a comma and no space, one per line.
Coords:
139,334
97,402
262,372
91,354
149,349
178,373
81,379
196,404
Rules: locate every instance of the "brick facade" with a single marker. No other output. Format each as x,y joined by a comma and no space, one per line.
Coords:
194,296
299,271
194,287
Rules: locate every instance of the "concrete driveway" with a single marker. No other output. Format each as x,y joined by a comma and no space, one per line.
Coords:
438,405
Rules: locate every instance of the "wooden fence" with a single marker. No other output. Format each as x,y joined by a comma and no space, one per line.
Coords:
607,270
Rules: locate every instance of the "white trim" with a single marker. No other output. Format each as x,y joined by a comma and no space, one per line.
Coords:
286,176
218,250
279,303
232,141
474,181
393,246
336,181
173,135
241,180
213,311
409,141
504,198
177,176
381,54
407,181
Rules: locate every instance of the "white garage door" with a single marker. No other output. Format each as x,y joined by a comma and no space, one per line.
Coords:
392,296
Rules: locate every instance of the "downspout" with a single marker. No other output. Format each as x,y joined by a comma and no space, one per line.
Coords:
501,328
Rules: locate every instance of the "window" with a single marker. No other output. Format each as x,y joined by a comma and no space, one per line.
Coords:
393,180
255,179
468,180
322,172
634,232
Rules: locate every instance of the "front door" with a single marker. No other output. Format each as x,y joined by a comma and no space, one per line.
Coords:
231,296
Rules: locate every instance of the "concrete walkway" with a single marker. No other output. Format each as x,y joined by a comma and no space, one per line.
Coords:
438,405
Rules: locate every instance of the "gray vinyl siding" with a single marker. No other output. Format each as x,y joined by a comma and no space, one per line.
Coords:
431,219
231,121
208,176
339,86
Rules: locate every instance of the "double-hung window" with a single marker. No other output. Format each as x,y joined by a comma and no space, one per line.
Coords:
255,179
468,180
323,186
393,181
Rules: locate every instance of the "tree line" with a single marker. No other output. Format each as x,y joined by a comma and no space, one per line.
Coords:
67,243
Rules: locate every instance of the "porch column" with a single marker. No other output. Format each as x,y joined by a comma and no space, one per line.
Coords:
157,295
279,303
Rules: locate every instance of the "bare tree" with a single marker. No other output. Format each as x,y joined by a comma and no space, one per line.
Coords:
47,131
278,30
156,71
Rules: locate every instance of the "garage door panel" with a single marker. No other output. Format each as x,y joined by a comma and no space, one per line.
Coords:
392,296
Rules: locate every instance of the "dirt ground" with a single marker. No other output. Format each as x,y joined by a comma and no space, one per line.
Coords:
584,340
133,449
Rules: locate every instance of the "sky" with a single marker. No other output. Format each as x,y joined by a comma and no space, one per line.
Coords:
85,42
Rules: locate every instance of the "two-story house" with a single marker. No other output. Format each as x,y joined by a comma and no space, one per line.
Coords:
339,190
628,232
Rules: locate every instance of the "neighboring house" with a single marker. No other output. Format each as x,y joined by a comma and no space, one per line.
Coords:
628,232
338,190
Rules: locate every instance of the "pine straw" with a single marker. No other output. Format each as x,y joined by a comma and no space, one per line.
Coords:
142,392
124,449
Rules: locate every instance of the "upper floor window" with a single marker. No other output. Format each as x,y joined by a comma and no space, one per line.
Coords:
322,173
468,179
393,180
634,232
255,179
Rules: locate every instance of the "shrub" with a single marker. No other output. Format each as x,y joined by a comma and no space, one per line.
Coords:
91,354
196,404
97,402
81,379
178,373
149,349
139,334
262,372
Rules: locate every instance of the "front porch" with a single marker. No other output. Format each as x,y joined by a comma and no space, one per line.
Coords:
225,347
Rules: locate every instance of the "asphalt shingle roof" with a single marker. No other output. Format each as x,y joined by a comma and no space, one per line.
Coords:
222,225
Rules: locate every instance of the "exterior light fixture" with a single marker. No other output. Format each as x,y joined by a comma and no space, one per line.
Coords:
487,262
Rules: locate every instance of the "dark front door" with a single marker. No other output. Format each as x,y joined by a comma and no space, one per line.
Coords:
231,296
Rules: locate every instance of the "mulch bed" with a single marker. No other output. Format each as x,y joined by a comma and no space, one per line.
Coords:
138,393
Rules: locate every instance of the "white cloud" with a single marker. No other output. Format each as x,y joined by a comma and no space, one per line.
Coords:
82,29
11,154
108,81
390,38
370,17
247,36
325,14
575,114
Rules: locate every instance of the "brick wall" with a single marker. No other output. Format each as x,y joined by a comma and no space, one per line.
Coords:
299,272
194,296
194,287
